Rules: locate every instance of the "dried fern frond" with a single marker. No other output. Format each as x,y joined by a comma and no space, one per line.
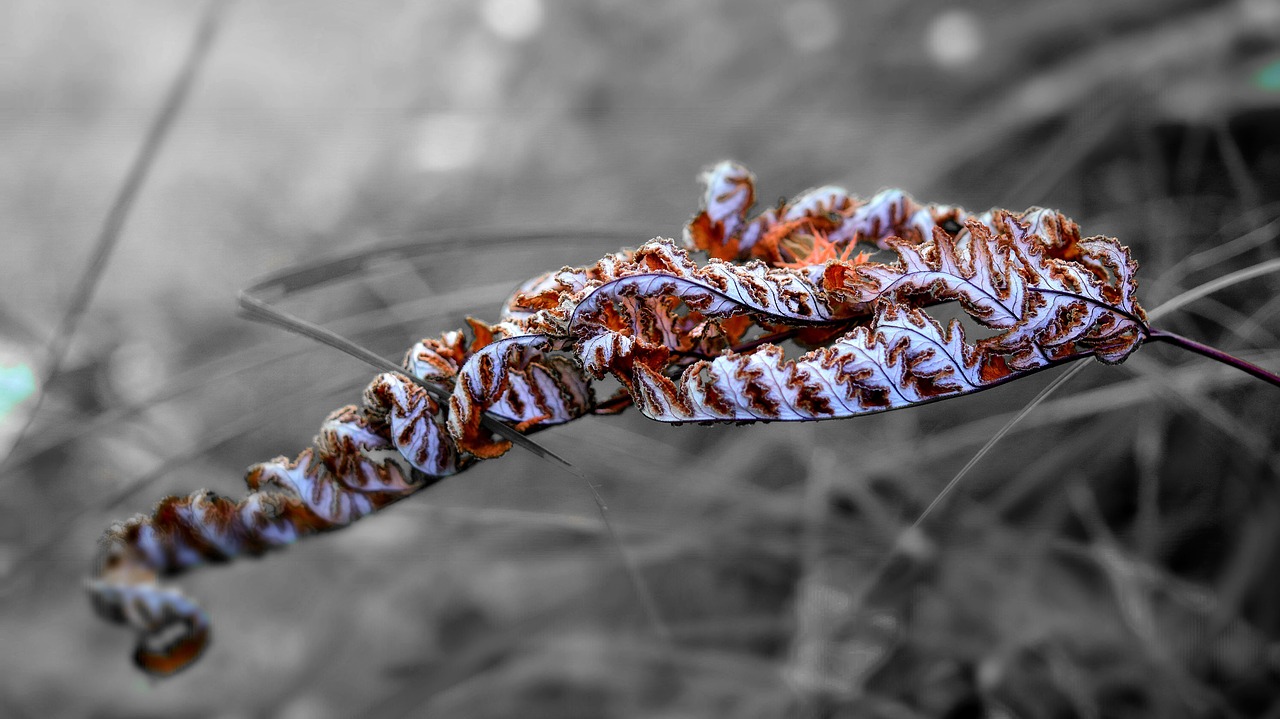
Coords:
364,458
689,342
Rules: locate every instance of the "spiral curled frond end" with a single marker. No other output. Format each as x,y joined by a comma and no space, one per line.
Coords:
172,630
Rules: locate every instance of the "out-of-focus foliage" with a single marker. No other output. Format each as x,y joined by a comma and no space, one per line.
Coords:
1117,562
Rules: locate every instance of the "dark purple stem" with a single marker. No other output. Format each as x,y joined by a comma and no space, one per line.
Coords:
1185,343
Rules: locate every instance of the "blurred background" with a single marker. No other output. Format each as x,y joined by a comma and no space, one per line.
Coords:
1116,554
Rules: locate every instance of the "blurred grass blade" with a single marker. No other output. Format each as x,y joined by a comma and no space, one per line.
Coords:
317,273
113,224
995,438
257,310
1208,288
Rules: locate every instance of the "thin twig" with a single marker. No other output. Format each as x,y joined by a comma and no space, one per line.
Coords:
1008,427
113,225
902,540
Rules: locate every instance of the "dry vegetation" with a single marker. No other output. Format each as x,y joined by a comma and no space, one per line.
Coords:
1115,555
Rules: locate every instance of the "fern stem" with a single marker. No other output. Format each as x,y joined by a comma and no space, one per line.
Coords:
1218,355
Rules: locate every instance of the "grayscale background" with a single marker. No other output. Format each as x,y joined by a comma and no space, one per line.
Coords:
1116,555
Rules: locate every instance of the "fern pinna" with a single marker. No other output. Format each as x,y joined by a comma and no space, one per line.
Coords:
689,341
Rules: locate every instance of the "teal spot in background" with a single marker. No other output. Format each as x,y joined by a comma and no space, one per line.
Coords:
1268,78
16,384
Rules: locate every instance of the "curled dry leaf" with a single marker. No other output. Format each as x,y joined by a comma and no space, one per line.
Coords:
689,341
363,459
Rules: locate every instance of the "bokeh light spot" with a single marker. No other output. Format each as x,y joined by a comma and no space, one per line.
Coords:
1268,78
513,19
954,38
448,141
16,384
